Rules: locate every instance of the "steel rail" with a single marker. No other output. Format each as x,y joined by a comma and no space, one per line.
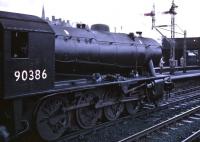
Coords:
192,137
154,128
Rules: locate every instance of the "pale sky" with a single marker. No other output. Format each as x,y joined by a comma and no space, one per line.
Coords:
115,13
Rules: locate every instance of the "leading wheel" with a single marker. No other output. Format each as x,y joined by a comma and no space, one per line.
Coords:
51,118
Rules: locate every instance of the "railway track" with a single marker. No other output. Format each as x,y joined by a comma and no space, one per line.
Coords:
193,137
151,134
176,98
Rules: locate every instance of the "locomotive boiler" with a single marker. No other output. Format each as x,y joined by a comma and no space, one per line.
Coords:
54,78
96,50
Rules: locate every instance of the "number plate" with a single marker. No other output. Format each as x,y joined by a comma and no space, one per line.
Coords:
30,75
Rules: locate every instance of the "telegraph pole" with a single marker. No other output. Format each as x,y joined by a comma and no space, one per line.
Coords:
173,44
184,52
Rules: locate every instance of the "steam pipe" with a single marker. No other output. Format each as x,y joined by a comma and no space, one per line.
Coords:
151,68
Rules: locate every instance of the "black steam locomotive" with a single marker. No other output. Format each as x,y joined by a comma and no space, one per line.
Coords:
54,78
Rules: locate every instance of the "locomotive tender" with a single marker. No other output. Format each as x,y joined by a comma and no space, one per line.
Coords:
54,77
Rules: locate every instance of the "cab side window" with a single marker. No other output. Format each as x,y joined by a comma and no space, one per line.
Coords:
19,44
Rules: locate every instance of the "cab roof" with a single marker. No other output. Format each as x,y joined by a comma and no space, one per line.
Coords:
22,22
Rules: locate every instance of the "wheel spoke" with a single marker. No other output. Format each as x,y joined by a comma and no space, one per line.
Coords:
88,116
51,119
114,111
132,107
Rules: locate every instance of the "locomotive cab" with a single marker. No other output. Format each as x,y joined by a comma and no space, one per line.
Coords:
26,55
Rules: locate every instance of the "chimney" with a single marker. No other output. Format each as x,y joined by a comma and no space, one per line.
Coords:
53,18
43,13
139,33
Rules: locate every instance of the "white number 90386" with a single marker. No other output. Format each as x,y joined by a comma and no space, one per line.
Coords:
30,75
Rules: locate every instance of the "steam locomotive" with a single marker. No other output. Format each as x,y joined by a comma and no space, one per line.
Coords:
54,78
